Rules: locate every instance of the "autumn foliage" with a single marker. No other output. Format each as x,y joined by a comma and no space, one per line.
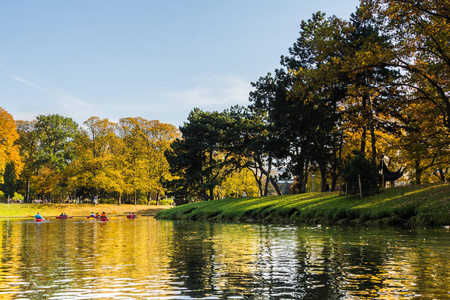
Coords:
9,151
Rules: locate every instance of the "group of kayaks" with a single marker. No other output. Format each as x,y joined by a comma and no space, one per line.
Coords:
64,217
98,217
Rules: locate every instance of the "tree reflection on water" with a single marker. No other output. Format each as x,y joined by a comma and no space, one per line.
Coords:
146,258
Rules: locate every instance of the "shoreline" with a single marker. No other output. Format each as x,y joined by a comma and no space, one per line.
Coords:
25,210
408,205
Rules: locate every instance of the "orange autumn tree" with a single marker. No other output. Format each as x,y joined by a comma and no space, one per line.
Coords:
9,151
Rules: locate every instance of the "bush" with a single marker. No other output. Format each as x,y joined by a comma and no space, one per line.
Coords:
368,172
166,202
162,202
18,196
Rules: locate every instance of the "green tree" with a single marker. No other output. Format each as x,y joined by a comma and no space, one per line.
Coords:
308,116
261,138
9,181
55,151
28,141
201,159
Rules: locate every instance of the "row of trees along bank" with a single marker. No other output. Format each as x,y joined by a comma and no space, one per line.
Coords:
55,158
376,85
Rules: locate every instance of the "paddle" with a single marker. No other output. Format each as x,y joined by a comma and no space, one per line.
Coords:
45,218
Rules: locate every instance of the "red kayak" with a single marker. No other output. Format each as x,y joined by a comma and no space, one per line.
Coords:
39,220
104,219
131,216
64,217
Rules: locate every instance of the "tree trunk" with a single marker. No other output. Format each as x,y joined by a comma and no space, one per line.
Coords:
149,197
28,190
266,187
258,177
275,185
323,177
211,189
272,181
372,132
337,161
258,180
442,173
418,172
211,193
363,141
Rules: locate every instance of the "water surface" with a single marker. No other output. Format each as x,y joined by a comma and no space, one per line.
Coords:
152,259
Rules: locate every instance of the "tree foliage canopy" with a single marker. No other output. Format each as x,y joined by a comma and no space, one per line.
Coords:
376,84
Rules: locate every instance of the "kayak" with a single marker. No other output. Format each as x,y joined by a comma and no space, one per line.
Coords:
131,216
104,219
39,220
64,217
91,217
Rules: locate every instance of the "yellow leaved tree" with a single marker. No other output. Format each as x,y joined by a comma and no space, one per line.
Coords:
9,151
97,160
144,164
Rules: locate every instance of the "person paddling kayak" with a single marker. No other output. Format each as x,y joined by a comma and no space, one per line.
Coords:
103,217
39,217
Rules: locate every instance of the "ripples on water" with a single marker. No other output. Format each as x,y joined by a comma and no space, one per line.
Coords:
150,259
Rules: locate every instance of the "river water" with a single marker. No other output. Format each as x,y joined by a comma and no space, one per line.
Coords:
153,259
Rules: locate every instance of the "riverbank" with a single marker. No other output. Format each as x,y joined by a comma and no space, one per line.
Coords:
77,210
412,205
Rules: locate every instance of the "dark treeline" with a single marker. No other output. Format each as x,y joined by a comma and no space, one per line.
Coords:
376,86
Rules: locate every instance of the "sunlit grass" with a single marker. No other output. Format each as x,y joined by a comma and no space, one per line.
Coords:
420,204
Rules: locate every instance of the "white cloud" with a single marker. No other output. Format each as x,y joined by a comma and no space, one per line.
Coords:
61,95
214,92
209,93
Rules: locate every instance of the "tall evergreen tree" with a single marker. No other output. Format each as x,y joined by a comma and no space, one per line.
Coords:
9,181
200,158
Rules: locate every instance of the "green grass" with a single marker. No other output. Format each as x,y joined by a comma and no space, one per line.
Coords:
418,204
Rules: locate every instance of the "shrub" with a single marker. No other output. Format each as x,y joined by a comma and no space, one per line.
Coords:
18,196
166,202
368,173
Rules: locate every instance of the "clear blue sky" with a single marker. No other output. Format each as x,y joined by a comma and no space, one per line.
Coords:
153,59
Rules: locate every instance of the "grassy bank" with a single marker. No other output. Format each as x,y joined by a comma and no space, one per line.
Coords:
79,210
420,204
